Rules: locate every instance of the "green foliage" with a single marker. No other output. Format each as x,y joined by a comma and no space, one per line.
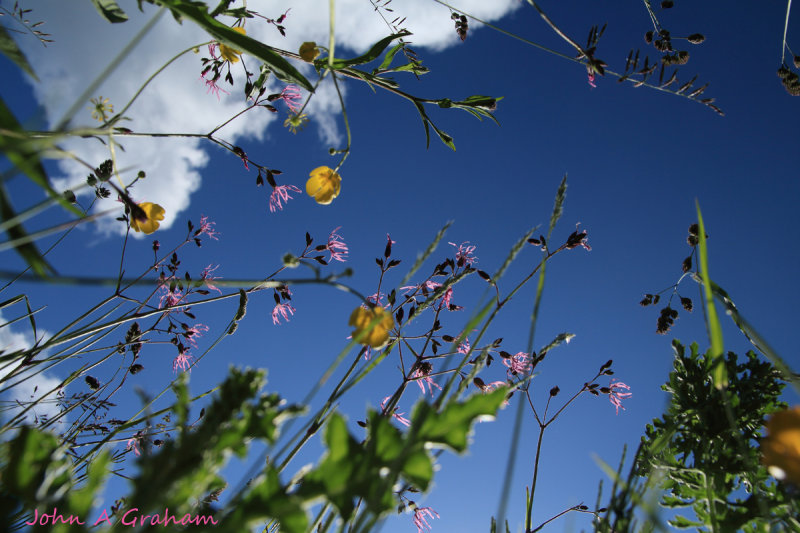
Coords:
37,473
351,470
110,10
705,444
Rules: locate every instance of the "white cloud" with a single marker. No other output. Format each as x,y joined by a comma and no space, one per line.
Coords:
32,389
177,100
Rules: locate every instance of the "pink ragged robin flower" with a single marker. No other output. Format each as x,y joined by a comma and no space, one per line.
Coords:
282,310
376,298
518,364
279,195
207,278
193,332
133,443
422,378
421,515
397,416
337,247
616,397
291,95
182,361
591,79
212,87
169,298
464,253
207,228
464,347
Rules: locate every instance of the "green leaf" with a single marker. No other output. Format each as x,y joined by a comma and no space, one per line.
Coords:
9,49
198,13
450,427
712,320
267,498
371,55
110,10
387,60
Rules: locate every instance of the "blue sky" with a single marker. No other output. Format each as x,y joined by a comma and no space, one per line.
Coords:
636,160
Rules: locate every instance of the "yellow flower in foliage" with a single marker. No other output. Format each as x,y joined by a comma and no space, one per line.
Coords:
324,185
228,53
362,319
309,51
780,449
153,214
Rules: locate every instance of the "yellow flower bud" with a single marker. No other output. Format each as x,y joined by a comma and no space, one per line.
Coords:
324,185
361,319
309,51
228,53
154,213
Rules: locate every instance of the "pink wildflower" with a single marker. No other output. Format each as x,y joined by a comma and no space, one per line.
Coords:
133,443
206,277
207,228
422,375
212,50
212,87
616,397
518,364
397,416
464,254
183,361
591,79
375,298
337,247
464,347
291,95
420,520
282,310
169,298
193,332
279,195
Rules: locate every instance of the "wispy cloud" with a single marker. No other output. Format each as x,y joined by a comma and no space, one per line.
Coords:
29,387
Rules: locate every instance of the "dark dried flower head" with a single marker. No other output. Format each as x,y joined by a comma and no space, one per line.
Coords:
694,229
667,4
691,240
648,37
554,391
687,264
647,300
135,369
92,382
683,57
796,61
696,38
687,304
666,320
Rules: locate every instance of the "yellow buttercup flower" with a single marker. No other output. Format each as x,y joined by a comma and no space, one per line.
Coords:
309,51
780,449
324,185
154,213
362,318
228,53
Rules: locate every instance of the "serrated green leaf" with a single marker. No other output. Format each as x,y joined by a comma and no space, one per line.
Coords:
451,427
198,13
110,11
10,49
